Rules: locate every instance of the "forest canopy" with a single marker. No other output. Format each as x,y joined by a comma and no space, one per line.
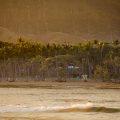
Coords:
99,60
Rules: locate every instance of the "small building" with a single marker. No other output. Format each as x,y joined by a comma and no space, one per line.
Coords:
73,72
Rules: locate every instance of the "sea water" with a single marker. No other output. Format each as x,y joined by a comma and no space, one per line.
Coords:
66,103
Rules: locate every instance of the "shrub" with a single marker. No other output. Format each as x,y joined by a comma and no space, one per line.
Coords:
101,73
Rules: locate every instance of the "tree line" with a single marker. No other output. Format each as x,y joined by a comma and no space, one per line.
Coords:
31,60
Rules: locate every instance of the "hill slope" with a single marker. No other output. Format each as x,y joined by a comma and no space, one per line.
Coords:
83,19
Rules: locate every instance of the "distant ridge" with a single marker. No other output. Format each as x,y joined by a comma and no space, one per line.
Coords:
6,35
52,37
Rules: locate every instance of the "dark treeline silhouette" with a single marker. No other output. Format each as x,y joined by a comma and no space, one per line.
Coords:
34,61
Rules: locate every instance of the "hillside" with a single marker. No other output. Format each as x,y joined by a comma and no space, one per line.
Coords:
61,20
6,35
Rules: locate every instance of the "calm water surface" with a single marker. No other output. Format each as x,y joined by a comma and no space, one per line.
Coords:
66,103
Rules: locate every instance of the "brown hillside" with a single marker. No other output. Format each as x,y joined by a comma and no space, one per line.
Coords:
62,20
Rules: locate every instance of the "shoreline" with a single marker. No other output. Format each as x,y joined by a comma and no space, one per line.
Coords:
59,85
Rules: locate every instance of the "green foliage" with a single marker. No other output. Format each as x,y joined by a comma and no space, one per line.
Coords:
36,59
101,73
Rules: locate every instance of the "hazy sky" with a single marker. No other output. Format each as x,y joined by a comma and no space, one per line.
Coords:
67,16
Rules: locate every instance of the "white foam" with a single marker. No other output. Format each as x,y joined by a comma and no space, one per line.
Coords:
20,108
87,105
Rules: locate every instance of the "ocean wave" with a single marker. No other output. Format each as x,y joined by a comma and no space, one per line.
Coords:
91,109
88,107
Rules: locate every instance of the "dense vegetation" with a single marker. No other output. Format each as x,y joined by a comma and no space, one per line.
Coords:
29,60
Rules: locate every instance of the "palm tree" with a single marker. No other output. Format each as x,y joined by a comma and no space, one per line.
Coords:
116,42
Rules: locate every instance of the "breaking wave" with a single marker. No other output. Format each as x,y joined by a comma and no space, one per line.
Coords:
88,107
92,109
